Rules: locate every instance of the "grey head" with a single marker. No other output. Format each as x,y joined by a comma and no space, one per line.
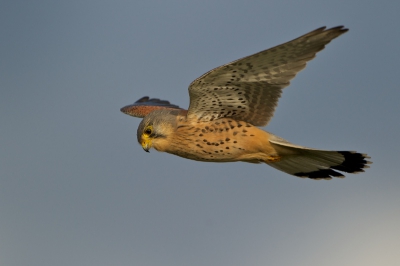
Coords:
158,124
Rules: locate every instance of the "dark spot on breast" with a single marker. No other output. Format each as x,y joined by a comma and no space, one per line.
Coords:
198,145
200,135
234,141
227,139
227,148
235,133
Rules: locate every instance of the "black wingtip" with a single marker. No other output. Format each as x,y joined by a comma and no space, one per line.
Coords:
143,99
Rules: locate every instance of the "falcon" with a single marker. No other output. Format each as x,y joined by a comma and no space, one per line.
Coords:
228,105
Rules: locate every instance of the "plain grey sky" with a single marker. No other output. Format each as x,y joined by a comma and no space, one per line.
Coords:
77,189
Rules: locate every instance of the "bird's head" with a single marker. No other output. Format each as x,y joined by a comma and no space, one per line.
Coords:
155,129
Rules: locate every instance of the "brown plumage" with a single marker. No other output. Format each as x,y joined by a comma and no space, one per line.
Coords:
226,105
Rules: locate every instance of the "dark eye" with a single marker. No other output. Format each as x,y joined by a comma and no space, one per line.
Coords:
147,131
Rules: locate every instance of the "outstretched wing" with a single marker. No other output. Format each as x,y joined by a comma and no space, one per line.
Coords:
248,89
145,105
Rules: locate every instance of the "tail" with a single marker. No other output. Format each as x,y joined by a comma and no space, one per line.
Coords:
316,164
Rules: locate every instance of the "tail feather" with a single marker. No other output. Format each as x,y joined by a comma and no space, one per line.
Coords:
316,164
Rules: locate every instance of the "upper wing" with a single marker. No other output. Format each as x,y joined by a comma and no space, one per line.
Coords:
145,105
248,89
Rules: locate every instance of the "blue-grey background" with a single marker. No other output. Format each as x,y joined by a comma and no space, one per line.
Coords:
77,189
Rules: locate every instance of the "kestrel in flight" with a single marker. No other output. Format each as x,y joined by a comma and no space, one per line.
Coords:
230,102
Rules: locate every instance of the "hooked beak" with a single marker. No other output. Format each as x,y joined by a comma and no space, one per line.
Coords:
146,145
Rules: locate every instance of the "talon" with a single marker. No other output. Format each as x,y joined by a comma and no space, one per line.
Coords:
273,159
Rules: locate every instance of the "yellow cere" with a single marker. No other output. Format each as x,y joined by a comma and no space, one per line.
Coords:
146,139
